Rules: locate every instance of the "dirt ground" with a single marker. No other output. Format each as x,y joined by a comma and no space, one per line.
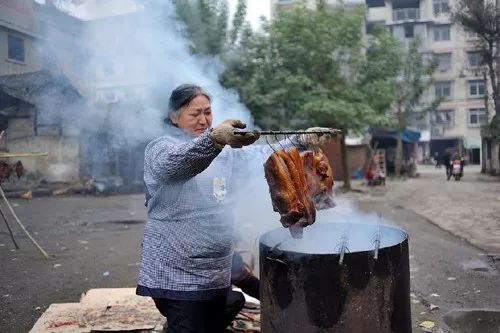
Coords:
95,243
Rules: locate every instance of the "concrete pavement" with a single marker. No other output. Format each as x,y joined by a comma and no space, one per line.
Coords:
454,241
95,243
469,208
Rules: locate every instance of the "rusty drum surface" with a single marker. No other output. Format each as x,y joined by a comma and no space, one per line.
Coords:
304,288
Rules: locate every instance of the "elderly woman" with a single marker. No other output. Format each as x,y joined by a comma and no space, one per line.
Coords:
188,240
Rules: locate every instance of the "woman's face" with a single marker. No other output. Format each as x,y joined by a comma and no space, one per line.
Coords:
195,117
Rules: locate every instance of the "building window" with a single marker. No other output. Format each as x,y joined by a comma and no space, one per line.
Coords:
441,32
375,3
409,30
443,117
477,116
476,88
474,59
441,7
471,34
371,26
444,61
107,67
404,14
15,48
442,90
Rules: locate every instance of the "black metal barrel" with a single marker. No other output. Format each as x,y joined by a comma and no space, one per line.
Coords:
307,287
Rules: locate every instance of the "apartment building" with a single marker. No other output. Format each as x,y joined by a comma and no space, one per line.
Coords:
36,96
459,79
18,35
283,4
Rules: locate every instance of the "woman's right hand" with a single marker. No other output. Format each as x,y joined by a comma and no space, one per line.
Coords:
224,135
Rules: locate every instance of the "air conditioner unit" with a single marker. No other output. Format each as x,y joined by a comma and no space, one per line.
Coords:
437,131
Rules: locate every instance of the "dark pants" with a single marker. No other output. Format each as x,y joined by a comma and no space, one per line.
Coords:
448,170
211,316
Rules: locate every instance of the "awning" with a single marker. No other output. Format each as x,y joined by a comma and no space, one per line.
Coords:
408,136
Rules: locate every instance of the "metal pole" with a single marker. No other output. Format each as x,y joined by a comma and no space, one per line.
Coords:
8,228
22,225
330,131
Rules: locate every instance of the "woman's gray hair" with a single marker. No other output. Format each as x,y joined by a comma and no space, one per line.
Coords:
182,95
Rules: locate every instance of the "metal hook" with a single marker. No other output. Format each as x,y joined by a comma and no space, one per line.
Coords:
269,144
308,145
313,147
276,137
291,141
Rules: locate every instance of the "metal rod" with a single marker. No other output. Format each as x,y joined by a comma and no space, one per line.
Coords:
6,155
13,213
377,246
326,131
343,248
8,228
342,252
377,237
344,239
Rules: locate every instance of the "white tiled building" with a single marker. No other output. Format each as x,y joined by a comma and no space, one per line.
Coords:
458,80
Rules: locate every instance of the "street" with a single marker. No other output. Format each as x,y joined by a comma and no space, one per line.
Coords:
95,243
446,269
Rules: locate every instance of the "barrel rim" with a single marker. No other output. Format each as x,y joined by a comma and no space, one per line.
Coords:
404,238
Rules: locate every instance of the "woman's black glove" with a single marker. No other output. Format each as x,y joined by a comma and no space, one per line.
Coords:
224,135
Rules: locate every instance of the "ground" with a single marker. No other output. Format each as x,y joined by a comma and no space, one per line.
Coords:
454,237
95,242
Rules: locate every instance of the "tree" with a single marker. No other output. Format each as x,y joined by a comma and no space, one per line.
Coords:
315,68
206,24
415,78
482,17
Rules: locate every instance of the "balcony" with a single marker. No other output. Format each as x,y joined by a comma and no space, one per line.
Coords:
406,14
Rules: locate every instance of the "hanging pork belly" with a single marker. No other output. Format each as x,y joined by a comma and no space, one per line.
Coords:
319,178
299,183
285,176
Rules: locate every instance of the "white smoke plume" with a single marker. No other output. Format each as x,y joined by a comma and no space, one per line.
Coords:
142,53
138,55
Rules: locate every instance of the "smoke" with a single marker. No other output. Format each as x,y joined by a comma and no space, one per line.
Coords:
125,66
255,217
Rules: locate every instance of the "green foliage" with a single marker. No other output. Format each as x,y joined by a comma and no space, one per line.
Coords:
206,24
315,67
414,80
479,16
483,18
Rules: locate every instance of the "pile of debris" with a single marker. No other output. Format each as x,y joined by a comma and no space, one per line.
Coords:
112,310
120,310
248,320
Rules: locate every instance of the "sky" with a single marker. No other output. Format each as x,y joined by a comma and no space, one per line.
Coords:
256,9
92,9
